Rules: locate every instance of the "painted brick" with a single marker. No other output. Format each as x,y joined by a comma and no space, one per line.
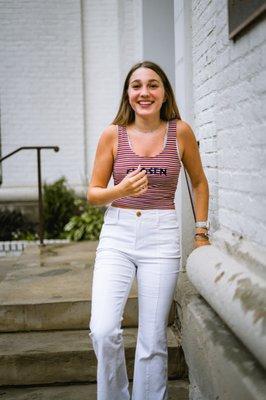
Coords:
58,84
238,223
41,89
112,25
243,181
229,86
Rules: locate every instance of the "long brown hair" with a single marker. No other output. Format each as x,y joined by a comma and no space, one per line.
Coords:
169,109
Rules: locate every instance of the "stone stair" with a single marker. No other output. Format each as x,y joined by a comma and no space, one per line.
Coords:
177,390
44,317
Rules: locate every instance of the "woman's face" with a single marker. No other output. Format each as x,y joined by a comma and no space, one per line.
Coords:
146,92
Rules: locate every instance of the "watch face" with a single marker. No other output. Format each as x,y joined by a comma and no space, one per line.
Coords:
203,224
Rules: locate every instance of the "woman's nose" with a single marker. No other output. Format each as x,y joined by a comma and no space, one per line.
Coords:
144,91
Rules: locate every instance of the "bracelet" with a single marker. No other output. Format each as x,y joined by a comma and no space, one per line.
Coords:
203,235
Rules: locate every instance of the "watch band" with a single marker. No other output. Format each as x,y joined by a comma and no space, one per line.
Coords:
202,224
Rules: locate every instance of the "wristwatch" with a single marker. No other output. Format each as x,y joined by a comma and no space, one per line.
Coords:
203,224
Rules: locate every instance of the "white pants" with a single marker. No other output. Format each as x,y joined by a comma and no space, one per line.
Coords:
147,246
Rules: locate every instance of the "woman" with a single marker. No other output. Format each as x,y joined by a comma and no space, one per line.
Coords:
143,149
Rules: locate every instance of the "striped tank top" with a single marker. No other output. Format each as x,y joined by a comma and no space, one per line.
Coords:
162,172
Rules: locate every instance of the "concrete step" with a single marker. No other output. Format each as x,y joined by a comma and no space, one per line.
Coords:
49,288
31,358
177,389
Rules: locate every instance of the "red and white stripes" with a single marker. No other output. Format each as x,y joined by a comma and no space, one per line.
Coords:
162,170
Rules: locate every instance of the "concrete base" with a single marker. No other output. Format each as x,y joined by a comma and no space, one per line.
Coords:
49,288
177,390
220,367
31,358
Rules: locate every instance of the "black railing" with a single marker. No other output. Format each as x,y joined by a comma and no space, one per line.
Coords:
40,202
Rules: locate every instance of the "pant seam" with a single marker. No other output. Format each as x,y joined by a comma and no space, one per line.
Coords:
155,318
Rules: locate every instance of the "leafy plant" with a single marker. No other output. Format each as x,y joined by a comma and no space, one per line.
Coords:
59,207
86,225
65,216
14,225
22,235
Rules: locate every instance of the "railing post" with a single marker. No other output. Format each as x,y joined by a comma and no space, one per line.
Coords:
40,202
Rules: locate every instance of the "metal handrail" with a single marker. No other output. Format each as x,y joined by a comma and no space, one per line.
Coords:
40,202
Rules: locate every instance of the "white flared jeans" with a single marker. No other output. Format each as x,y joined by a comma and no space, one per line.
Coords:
145,244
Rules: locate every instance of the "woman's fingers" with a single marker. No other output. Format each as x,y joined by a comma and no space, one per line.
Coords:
140,190
140,182
135,183
137,176
135,172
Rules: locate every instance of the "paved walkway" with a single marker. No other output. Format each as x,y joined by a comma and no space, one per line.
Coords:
46,293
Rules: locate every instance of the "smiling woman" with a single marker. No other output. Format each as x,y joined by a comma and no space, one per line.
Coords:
146,92
144,149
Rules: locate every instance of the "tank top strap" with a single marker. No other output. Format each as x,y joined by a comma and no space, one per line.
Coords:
172,129
171,135
122,144
120,132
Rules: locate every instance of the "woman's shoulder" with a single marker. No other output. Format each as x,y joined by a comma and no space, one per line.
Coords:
109,133
185,136
182,127
184,132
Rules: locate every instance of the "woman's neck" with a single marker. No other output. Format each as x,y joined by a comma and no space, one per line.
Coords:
147,124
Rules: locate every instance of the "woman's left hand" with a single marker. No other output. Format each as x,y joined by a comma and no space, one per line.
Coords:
201,242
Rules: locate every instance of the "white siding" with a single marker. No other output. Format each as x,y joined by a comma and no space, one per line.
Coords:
41,91
230,117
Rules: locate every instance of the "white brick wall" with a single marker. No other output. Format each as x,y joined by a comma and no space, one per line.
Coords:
230,117
111,46
41,90
101,66
62,66
204,93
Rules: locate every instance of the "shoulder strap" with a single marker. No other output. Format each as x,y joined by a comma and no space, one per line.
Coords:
189,190
190,195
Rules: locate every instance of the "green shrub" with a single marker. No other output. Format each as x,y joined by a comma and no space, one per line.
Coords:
86,225
59,207
65,216
15,226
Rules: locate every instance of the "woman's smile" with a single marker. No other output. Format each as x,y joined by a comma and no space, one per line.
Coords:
145,104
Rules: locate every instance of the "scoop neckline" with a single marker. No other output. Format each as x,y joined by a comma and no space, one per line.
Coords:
165,141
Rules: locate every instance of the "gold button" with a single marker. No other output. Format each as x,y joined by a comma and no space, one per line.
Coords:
138,213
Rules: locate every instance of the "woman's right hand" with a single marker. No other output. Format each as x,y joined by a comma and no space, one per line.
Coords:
134,184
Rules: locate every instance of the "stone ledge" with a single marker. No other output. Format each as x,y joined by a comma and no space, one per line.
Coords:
235,292
219,365
251,254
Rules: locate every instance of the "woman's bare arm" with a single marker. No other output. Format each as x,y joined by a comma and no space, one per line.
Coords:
192,162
